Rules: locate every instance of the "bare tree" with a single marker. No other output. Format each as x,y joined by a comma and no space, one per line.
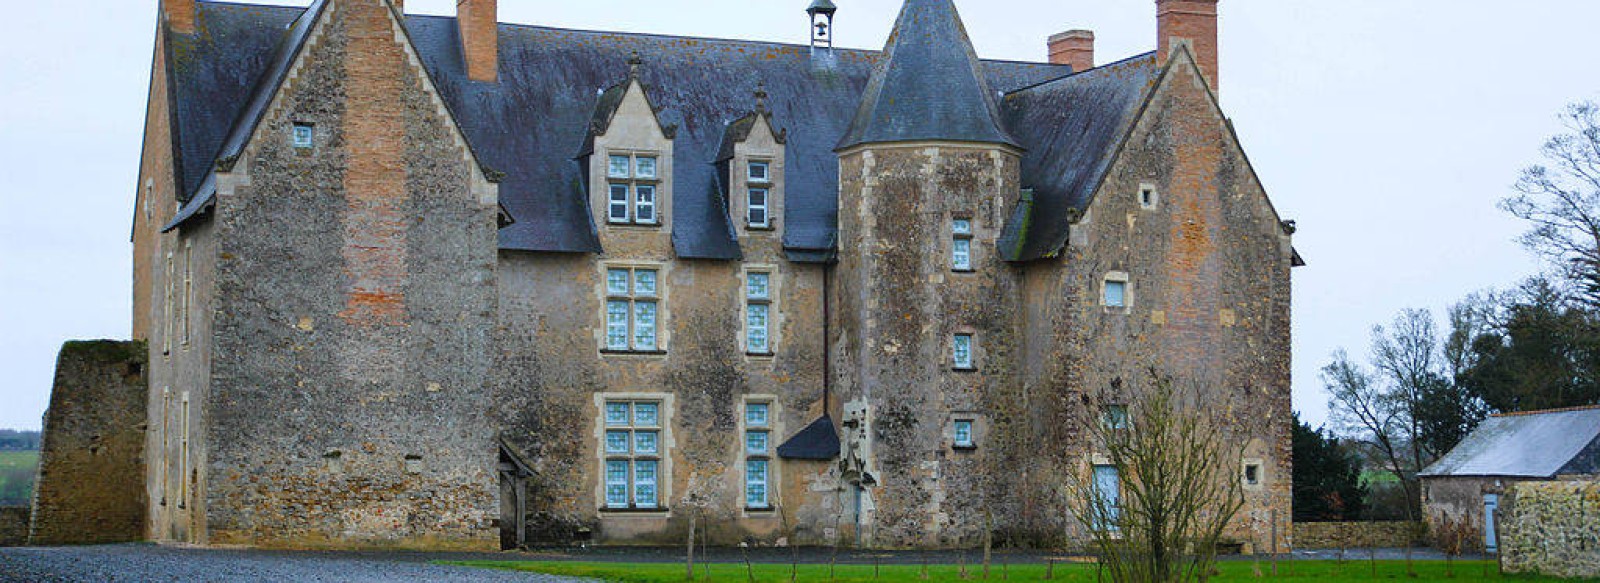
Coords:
1561,199
1361,408
1176,465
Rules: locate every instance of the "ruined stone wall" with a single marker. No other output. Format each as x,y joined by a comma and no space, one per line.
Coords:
1357,535
355,299
91,459
1207,269
14,525
900,305
1552,528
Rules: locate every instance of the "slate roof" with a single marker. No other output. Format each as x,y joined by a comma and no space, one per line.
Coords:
1072,128
818,441
928,85
1529,445
529,124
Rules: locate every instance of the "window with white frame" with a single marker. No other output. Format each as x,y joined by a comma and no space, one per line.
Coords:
1108,498
964,438
304,135
961,352
758,199
631,189
632,454
1114,292
758,312
758,455
961,245
633,298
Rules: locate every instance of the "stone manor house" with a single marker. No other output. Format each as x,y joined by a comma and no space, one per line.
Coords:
442,282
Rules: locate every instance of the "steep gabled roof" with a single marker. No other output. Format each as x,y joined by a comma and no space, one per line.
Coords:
1539,444
528,125
928,85
1073,128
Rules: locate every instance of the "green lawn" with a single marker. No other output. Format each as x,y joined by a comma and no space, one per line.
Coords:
1320,571
16,476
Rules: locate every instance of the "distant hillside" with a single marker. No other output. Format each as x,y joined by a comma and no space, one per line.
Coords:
13,440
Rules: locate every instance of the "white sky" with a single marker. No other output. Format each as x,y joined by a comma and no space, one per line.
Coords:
1387,128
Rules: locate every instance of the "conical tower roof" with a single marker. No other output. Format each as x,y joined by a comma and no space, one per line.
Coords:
927,84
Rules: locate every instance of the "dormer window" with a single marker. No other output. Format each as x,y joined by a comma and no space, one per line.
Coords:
632,190
758,172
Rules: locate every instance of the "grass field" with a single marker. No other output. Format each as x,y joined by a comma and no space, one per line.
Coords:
1321,571
16,476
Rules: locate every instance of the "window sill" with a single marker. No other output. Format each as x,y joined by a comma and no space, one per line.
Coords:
965,448
615,352
761,510
758,229
760,354
636,226
967,270
969,369
661,510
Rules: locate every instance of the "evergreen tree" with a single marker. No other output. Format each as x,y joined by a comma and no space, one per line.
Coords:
1327,479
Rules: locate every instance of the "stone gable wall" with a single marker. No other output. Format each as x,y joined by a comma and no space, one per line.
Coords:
355,300
1551,528
1208,282
91,459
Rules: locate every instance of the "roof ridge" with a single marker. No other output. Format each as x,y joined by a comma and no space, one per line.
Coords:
1547,411
1100,68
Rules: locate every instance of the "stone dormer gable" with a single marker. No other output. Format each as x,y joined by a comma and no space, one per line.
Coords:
627,157
629,100
751,164
928,85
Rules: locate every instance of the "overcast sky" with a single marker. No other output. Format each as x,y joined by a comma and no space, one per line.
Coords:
1387,128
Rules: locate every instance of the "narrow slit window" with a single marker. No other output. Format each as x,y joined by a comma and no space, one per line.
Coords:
304,135
758,313
961,245
757,450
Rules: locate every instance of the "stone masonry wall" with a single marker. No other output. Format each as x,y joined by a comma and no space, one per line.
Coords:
1208,288
1357,535
356,294
91,460
14,525
1552,528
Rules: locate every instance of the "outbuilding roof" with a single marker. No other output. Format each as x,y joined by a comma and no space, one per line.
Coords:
1538,444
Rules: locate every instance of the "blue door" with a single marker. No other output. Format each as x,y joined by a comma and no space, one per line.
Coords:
1491,503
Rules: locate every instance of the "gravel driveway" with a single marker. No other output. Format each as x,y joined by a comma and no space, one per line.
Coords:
146,562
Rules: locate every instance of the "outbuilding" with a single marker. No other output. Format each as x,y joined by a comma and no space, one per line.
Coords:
1461,491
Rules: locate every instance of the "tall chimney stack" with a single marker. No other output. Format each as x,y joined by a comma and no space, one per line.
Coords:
480,38
179,15
1191,22
1073,47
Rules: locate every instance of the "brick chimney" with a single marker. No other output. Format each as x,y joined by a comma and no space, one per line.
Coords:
1192,22
1073,47
480,38
179,15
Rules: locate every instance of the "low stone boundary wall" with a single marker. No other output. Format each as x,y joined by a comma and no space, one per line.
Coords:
1552,528
14,525
1357,535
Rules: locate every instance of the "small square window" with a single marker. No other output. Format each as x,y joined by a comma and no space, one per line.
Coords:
617,414
755,442
304,135
617,442
757,414
1116,294
1148,197
758,172
963,434
758,286
963,352
618,167
1116,417
645,168
1252,474
961,227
